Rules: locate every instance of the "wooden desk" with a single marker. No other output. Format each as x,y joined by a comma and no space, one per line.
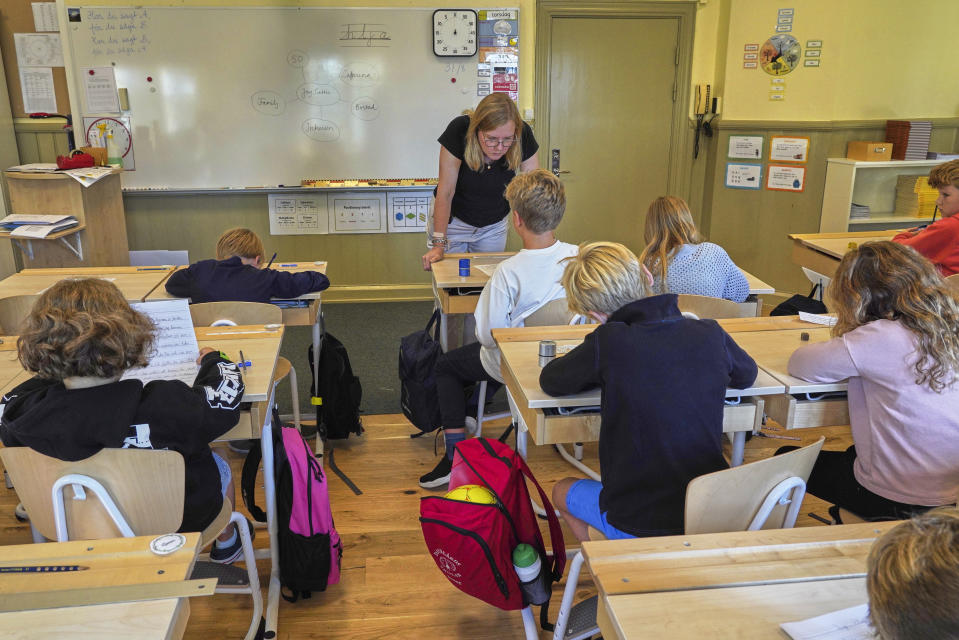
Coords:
136,283
728,585
771,350
822,252
520,369
127,591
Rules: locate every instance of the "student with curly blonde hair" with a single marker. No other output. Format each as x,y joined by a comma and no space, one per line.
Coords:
913,579
897,342
681,261
79,339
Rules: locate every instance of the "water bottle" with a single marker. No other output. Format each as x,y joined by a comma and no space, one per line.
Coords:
528,566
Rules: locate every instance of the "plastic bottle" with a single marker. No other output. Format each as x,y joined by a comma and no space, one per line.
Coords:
114,159
528,566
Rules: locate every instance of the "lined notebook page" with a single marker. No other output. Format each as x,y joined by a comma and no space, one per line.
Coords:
845,624
175,350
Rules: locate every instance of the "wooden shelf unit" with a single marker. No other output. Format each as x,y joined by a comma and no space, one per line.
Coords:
100,238
868,183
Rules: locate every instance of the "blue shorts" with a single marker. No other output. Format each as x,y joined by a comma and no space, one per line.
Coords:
582,501
226,475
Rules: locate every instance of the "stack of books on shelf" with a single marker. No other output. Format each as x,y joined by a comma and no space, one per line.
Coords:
942,157
36,226
909,138
858,211
914,197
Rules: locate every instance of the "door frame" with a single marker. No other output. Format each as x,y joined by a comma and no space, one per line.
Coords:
679,160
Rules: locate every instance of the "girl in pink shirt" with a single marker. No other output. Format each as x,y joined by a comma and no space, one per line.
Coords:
897,342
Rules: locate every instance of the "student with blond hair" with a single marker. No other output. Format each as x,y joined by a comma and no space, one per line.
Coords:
913,579
519,286
940,240
679,259
897,342
664,379
238,274
480,152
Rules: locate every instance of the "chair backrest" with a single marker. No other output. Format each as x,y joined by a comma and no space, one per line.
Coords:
13,311
147,485
706,307
206,313
953,282
730,499
552,314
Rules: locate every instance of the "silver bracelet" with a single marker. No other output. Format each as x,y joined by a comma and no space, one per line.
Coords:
440,242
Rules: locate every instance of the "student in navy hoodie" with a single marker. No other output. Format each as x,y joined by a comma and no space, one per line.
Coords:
79,339
664,379
238,274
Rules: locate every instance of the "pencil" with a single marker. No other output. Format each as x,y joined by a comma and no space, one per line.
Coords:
242,361
271,260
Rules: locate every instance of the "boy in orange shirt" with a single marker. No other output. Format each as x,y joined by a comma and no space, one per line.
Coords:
940,241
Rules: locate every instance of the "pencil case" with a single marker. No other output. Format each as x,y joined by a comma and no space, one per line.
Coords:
76,160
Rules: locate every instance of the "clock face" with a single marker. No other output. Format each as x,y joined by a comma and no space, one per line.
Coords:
454,32
121,135
780,54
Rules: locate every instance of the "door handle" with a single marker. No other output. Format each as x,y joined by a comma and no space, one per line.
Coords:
554,163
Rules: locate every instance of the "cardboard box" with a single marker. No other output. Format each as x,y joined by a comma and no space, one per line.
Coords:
869,151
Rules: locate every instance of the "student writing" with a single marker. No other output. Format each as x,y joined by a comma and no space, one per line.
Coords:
940,241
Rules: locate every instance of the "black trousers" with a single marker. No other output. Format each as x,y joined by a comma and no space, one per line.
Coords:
833,480
455,371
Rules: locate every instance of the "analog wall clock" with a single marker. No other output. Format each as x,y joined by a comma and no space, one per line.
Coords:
454,32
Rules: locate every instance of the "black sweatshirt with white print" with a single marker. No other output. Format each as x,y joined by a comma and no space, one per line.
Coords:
73,424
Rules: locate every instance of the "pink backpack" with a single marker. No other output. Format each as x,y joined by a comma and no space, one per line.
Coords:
472,543
310,548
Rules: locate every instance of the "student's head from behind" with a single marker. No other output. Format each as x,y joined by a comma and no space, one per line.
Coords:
495,131
241,243
669,225
945,178
84,328
603,277
889,281
538,198
913,578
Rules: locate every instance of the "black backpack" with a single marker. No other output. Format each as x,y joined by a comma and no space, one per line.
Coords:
797,303
418,397
338,392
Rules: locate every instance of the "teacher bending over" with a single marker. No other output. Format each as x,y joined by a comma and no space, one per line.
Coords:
479,154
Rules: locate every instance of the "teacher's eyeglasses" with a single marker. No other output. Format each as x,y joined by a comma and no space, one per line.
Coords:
492,143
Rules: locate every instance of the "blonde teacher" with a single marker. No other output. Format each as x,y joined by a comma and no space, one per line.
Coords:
479,154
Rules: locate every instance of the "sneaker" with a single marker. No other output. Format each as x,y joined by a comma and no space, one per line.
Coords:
438,477
21,513
230,554
471,426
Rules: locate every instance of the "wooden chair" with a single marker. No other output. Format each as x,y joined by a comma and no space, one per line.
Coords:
211,314
952,281
705,307
13,310
123,493
766,494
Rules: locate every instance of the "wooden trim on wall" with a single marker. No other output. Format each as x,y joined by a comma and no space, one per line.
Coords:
818,125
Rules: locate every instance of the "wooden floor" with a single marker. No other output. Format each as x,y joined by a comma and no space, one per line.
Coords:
390,587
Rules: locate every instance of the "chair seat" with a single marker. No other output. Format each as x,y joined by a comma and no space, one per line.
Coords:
282,370
219,523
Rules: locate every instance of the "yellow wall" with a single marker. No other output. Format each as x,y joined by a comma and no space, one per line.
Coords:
880,59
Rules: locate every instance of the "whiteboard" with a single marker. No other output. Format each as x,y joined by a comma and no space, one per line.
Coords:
257,96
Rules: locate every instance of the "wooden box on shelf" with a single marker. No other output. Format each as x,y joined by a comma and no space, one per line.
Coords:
100,238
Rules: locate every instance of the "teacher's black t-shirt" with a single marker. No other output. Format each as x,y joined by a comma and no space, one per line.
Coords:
478,199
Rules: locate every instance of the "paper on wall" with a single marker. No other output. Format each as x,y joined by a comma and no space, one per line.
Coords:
45,16
38,49
100,89
36,87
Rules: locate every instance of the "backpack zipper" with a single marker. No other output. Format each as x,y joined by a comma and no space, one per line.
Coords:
500,582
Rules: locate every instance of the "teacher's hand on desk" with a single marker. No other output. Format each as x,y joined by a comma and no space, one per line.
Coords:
433,255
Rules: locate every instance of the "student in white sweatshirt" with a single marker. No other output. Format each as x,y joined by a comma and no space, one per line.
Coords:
519,286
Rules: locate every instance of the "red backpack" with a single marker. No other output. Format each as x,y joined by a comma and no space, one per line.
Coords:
472,543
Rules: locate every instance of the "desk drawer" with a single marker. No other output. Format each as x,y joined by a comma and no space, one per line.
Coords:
457,304
745,416
793,413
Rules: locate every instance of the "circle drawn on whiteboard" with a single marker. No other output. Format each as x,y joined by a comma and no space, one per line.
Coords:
360,74
322,130
780,54
121,135
365,108
502,27
297,58
320,95
268,102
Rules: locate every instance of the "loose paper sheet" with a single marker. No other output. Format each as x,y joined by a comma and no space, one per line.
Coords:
845,624
176,350
36,87
817,318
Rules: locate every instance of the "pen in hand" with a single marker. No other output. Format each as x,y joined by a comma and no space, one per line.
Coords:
271,260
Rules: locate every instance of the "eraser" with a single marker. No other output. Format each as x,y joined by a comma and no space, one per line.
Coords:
804,336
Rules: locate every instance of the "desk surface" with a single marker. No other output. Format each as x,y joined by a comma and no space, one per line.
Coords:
728,585
160,293
522,361
135,283
446,272
771,351
837,244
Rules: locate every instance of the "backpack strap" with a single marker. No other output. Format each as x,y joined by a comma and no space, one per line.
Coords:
248,481
555,529
433,320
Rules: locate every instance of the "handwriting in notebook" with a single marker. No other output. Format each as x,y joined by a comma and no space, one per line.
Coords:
175,350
